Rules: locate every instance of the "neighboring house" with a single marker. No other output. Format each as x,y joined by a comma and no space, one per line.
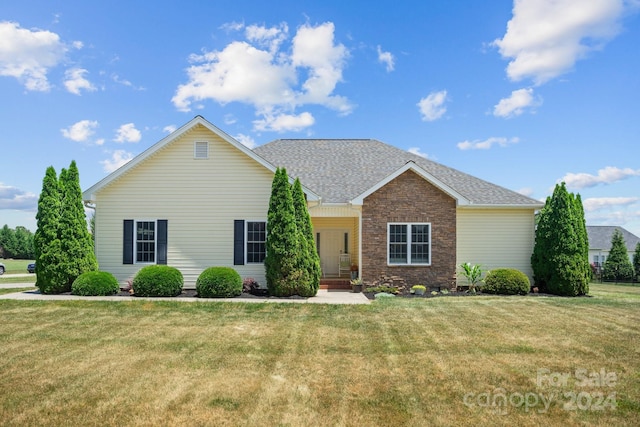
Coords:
199,198
600,242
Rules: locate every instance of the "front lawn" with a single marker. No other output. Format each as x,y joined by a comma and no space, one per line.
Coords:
398,361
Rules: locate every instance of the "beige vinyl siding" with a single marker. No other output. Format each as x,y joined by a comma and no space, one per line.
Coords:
495,238
199,198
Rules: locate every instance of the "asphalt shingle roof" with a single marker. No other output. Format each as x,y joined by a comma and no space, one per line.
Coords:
600,237
341,169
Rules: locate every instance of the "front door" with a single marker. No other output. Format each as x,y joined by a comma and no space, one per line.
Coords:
331,243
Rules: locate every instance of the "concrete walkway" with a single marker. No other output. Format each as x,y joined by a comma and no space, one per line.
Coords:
324,297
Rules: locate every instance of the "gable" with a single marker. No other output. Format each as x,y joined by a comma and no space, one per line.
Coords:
417,174
179,156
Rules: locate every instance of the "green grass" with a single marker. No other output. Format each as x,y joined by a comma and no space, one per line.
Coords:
394,362
15,266
23,279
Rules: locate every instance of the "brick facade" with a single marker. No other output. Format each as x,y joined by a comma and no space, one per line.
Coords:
409,198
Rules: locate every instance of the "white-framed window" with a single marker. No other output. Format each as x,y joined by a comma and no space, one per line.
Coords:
409,243
201,150
145,242
256,239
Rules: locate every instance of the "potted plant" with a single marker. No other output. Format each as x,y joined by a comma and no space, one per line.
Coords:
356,285
354,271
418,289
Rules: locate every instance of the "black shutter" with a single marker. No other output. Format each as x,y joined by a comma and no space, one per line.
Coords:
238,242
127,242
162,241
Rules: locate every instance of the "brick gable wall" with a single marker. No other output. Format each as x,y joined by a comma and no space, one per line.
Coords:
409,198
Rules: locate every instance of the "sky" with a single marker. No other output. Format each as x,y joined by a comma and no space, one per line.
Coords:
524,94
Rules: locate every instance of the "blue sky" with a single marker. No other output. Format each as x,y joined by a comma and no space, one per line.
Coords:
523,94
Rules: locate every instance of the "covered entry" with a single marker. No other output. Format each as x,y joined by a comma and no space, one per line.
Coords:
337,240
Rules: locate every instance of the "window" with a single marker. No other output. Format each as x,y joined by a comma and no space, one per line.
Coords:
256,241
146,241
409,244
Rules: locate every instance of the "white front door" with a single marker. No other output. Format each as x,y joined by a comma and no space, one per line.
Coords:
331,244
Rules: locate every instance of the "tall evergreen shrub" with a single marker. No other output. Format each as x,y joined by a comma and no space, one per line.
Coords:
282,264
310,260
62,243
75,238
636,261
560,257
617,265
50,279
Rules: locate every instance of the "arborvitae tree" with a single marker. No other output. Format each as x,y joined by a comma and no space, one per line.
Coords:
74,234
48,248
540,259
560,262
617,265
583,243
310,258
283,246
636,261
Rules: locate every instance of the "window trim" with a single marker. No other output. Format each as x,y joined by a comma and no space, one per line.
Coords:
246,240
408,245
155,241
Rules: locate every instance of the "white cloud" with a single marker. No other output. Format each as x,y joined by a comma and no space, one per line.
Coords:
607,175
386,58
516,103
28,55
128,133
417,152
124,82
527,191
284,122
487,143
271,38
169,128
118,158
545,38
274,79
431,107
12,198
75,81
81,131
596,203
246,140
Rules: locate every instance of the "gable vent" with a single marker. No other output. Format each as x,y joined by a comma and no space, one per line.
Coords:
201,150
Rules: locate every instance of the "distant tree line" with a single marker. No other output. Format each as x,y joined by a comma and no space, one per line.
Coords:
16,243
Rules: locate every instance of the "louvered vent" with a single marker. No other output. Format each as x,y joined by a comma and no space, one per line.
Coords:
201,150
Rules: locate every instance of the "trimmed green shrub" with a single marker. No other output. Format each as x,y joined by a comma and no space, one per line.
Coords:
506,281
95,283
158,281
219,282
